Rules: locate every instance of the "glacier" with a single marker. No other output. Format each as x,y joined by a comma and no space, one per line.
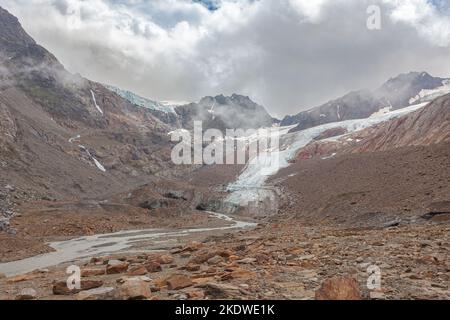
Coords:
142,102
250,185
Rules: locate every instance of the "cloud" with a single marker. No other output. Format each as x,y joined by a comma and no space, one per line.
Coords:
287,55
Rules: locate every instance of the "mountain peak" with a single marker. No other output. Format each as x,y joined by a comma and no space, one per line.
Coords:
12,35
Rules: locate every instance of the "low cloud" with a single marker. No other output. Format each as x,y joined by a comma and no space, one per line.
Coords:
287,55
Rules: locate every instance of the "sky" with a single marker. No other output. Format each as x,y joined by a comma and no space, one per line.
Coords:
288,55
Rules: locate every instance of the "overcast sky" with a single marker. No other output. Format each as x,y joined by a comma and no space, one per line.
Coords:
287,55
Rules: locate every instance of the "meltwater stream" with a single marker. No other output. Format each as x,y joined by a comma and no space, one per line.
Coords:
89,246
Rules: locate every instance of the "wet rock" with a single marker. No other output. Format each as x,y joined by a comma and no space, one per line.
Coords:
107,293
27,294
178,281
135,289
339,288
60,287
116,266
153,266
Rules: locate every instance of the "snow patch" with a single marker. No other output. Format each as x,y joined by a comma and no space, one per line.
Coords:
96,162
427,95
95,103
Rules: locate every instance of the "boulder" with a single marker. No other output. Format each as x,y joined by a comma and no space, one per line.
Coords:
106,293
138,270
164,259
178,281
116,266
27,294
153,267
60,287
92,272
339,288
215,260
135,289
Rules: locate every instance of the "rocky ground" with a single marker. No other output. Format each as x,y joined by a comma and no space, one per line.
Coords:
275,261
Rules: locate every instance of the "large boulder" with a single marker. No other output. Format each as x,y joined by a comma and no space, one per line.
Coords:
339,288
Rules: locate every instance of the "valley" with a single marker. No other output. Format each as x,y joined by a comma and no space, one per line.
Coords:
352,204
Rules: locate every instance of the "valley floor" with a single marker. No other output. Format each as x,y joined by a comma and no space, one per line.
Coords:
284,260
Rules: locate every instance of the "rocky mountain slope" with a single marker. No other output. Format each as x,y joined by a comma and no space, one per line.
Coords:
396,93
66,131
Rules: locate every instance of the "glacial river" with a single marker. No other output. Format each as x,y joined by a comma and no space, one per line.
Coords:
103,244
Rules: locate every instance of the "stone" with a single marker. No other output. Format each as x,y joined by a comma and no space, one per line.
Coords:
202,256
27,294
339,288
193,246
178,281
164,259
247,261
238,274
192,267
137,271
2,275
21,278
377,295
219,290
116,266
106,293
92,272
153,267
215,260
60,287
135,289
196,295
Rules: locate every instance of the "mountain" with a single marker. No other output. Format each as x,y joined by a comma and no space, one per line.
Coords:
396,93
430,125
223,112
67,136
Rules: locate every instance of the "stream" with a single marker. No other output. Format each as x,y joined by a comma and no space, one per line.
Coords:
103,244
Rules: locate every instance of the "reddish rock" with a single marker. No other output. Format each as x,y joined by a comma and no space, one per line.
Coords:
135,289
60,287
178,281
192,267
153,266
92,272
137,271
164,259
339,288
116,266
